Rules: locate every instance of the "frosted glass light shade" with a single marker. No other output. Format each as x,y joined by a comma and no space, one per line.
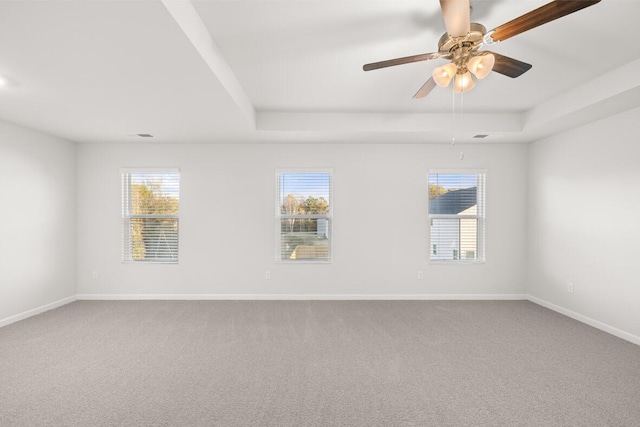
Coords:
443,75
481,65
463,83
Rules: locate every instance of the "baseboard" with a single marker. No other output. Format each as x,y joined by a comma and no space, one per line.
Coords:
301,297
21,316
587,320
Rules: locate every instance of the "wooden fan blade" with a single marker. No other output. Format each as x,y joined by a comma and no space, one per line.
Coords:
426,88
400,61
457,17
547,13
509,67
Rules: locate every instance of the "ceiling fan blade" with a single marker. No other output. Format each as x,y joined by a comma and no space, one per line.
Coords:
509,67
426,88
400,61
547,13
457,17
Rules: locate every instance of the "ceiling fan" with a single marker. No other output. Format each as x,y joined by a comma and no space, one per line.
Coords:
462,42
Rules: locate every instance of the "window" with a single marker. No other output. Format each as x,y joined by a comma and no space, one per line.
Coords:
150,200
303,216
457,216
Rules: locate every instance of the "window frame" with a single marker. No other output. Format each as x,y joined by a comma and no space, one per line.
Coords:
279,216
126,208
480,216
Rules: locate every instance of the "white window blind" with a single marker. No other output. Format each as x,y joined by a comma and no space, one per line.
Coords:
150,207
303,216
457,216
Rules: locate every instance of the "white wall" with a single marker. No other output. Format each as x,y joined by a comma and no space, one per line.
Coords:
227,220
577,218
37,220
584,205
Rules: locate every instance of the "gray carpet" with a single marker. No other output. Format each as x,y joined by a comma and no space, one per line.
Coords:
314,363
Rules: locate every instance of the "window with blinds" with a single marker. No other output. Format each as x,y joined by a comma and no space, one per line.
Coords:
303,216
150,206
457,216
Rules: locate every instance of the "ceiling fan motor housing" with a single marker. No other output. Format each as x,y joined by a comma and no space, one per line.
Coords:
460,49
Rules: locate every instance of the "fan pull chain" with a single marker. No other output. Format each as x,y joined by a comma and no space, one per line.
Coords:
453,115
462,121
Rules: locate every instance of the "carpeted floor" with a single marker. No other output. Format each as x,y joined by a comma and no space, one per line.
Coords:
314,363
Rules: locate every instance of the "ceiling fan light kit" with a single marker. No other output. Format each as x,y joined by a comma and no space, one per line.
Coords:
463,82
481,65
443,75
462,42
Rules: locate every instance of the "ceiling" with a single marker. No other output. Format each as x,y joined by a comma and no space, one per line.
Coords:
291,71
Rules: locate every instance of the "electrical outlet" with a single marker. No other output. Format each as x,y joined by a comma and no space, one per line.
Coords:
570,287
94,274
420,275
267,275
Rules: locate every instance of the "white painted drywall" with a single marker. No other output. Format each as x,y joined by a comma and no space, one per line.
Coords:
227,220
583,227
37,220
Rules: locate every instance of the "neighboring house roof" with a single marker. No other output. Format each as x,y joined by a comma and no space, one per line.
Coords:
453,202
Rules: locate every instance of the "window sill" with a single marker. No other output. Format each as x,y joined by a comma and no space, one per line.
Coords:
456,262
150,262
306,261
